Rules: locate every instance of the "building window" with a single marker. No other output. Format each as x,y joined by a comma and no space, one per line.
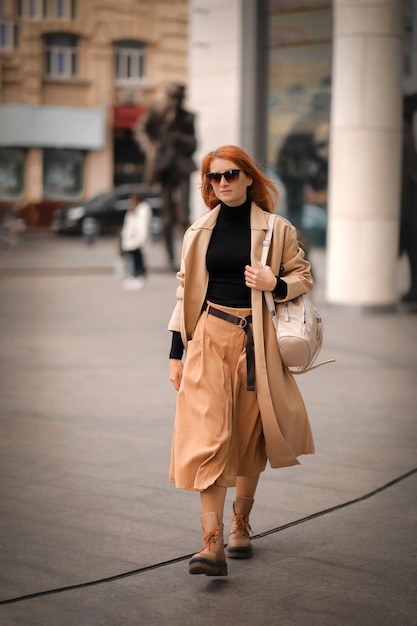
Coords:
12,168
8,34
62,173
64,9
61,55
130,61
60,9
410,42
31,8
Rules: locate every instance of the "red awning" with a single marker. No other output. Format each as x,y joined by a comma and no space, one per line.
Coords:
127,116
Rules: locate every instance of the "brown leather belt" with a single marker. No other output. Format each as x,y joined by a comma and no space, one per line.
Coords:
244,324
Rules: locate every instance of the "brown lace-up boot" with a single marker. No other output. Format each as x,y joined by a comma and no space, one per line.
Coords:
239,544
211,559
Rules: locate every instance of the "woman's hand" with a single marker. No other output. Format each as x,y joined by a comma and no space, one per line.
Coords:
261,279
175,372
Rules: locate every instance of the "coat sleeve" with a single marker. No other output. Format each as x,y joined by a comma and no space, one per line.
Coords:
294,268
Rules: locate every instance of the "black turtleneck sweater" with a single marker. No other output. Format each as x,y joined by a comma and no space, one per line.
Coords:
227,254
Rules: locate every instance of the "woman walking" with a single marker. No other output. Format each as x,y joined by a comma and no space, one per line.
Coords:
237,407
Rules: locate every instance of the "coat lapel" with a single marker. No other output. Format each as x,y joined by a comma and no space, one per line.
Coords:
196,270
207,220
259,227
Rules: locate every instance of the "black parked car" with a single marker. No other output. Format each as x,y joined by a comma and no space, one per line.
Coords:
106,211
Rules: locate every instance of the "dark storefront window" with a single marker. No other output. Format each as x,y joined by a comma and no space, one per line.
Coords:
62,173
128,158
12,168
298,100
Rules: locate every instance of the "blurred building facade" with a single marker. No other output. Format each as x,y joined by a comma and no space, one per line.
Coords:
75,76
313,89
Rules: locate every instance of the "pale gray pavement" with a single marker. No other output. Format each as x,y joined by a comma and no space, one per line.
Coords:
85,429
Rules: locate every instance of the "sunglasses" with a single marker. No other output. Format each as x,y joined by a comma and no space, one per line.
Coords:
230,176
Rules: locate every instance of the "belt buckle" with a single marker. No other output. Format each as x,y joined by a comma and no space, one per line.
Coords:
243,322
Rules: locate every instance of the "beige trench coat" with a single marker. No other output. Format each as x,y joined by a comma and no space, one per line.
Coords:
284,417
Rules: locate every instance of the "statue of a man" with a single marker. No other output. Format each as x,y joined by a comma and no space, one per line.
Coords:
167,135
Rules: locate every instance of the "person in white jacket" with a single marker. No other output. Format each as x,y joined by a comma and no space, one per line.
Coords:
134,235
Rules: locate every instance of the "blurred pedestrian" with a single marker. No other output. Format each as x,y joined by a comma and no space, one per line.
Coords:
300,167
90,231
167,135
133,236
227,423
408,227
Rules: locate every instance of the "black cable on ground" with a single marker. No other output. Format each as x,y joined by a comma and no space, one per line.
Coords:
140,570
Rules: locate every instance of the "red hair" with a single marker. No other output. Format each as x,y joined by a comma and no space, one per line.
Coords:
262,191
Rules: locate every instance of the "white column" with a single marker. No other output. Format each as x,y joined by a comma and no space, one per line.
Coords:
365,163
214,85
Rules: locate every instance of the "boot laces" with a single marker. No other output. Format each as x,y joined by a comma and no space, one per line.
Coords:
210,538
241,525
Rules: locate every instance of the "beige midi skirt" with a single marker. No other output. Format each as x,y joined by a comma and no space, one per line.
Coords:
218,430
